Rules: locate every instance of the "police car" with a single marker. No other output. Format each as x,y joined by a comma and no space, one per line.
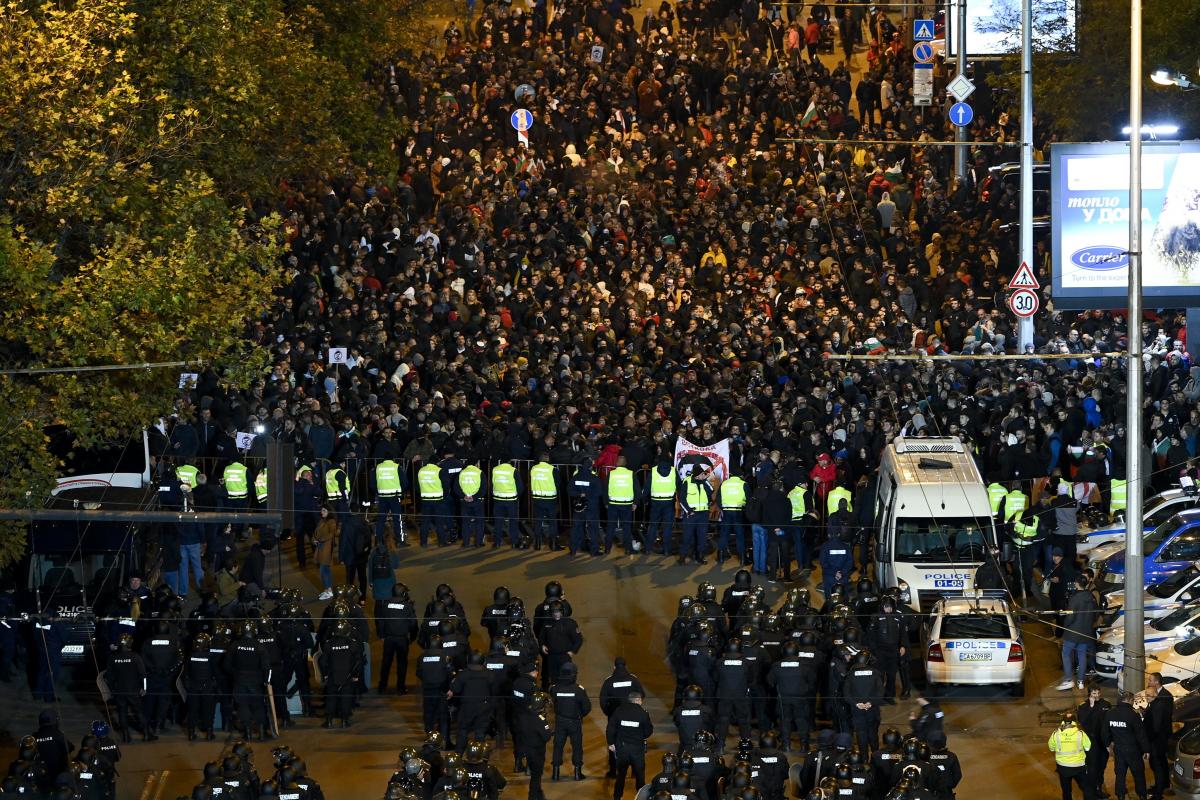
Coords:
1160,599
975,640
1159,634
1100,543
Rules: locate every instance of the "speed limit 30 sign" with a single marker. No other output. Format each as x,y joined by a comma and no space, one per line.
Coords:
1024,302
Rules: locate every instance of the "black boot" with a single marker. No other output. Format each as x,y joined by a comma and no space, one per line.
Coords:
191,734
579,773
554,773
328,723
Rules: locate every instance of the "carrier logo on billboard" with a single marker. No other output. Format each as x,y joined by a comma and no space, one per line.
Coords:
1100,257
1089,187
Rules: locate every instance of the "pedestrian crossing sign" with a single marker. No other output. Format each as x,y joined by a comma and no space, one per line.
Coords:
923,30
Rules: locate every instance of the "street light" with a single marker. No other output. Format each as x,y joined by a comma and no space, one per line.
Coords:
1169,77
1154,131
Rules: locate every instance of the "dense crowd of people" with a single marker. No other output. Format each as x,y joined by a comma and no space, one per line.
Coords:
510,336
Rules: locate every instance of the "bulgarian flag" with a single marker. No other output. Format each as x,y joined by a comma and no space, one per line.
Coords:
810,113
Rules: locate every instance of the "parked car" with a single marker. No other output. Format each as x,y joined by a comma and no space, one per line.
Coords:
1173,546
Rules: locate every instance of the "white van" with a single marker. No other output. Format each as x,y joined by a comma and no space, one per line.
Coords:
933,517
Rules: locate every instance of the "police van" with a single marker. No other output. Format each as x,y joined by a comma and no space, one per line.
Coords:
933,517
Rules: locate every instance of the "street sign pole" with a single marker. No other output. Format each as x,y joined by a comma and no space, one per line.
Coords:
960,131
1135,643
1025,326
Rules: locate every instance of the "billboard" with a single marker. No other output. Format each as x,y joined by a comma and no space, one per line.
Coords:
994,27
1089,190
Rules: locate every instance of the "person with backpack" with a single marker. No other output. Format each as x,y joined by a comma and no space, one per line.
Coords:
381,571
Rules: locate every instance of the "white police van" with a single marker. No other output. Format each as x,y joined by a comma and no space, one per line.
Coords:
974,640
934,519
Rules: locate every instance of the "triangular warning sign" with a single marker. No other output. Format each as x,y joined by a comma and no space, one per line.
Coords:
1024,279
924,31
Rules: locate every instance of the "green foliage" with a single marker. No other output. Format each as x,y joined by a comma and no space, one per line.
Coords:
133,133
1086,94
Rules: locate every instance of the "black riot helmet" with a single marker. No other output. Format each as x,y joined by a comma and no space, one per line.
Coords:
891,738
866,586
475,659
769,740
554,590
516,608
685,603
844,772
693,693
539,701
705,740
501,596
863,658
733,647
669,762
855,757
202,793
212,770
477,752
435,740
742,579
681,781
400,590
270,787
912,748
706,592
852,634
125,643
791,648
808,639
443,592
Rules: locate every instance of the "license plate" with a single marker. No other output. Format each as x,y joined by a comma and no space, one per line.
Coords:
72,649
974,656
947,584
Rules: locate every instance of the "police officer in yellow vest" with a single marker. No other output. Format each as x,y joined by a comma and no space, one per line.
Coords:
836,495
660,491
389,491
621,491
695,496
544,488
996,494
1118,495
337,489
506,502
803,518
236,480
430,485
260,498
1025,531
469,489
732,497
187,473
1070,746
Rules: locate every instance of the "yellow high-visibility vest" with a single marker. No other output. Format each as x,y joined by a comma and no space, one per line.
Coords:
187,474
333,486
662,487
837,494
470,480
429,479
260,486
620,486
1014,503
697,498
504,482
387,478
541,481
1119,494
996,494
1070,746
236,485
733,494
798,498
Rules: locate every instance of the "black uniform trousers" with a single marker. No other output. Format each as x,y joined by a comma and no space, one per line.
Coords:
1160,767
394,649
564,728
473,722
627,758
866,728
1097,763
1131,762
436,712
339,697
157,701
295,663
1078,775
201,704
251,704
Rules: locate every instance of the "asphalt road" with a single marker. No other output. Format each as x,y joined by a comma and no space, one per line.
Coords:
625,607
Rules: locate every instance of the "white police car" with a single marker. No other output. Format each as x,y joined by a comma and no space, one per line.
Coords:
975,640
1158,634
1160,599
